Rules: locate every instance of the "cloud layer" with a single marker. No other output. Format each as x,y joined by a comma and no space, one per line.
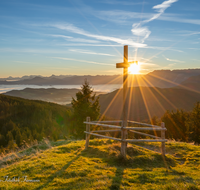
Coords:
76,30
139,30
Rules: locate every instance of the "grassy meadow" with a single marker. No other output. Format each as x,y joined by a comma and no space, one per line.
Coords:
66,164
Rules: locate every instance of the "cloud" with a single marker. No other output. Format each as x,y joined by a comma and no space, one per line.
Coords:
164,48
119,16
74,29
186,33
141,31
23,62
106,45
61,36
172,64
35,51
182,20
194,48
173,60
56,68
148,64
89,52
191,34
84,61
195,60
114,2
125,17
72,39
83,40
137,28
161,7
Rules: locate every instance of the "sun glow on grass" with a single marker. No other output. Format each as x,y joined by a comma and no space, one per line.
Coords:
67,163
134,69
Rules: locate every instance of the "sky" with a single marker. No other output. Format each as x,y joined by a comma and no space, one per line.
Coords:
86,37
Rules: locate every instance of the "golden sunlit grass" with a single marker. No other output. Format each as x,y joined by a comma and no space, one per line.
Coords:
67,165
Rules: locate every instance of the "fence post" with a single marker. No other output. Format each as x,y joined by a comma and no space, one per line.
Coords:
123,137
163,138
87,135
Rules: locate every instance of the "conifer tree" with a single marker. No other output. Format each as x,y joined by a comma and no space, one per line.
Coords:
18,138
10,138
193,124
85,105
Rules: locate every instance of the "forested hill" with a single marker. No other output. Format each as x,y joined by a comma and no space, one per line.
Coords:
23,121
146,102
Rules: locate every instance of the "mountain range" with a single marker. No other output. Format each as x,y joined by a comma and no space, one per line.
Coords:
157,78
150,96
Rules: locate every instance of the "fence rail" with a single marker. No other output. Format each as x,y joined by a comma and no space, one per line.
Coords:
113,138
148,127
144,124
101,131
145,134
115,121
103,125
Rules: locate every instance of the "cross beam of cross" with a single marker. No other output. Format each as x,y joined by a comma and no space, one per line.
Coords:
125,64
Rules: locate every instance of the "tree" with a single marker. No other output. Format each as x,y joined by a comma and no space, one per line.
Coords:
85,104
11,144
175,122
18,138
193,124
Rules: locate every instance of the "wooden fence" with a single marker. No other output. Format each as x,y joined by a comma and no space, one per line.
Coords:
117,128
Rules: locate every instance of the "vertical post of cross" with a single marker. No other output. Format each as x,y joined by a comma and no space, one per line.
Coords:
87,135
125,66
125,87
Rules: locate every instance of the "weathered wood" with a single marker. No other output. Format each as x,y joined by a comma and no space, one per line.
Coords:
123,143
163,137
124,133
140,133
101,131
146,128
103,136
88,130
123,65
117,121
145,140
144,124
103,125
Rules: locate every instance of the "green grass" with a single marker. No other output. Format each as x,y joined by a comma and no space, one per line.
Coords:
67,165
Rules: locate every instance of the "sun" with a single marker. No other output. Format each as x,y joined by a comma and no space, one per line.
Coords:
134,69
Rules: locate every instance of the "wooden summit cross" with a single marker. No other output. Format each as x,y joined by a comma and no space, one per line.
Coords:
124,65
124,123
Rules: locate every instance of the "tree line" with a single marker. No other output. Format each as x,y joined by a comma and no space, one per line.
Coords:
182,125
23,121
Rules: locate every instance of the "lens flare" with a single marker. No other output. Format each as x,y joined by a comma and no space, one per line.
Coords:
134,69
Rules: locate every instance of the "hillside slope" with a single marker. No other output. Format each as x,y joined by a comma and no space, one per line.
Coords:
59,96
66,165
192,83
24,120
146,102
